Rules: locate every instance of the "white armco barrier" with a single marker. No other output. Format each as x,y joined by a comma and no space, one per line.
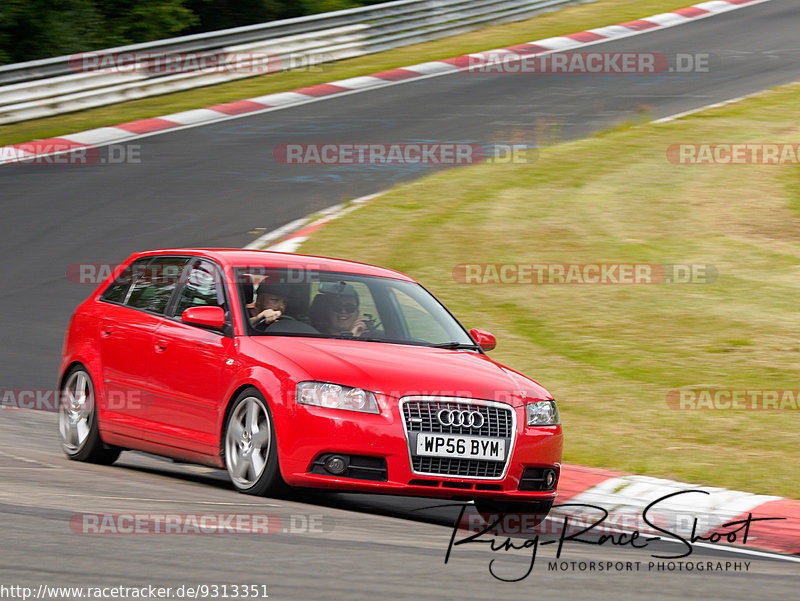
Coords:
70,83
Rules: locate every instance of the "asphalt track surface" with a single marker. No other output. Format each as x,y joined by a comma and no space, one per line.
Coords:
219,185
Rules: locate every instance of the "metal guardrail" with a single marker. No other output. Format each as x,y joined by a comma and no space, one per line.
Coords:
69,83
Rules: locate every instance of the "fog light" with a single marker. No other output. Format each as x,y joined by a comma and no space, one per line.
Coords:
336,464
550,479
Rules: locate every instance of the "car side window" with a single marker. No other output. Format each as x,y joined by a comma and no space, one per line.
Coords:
154,286
203,288
117,291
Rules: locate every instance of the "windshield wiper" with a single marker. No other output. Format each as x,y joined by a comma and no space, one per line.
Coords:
456,345
348,336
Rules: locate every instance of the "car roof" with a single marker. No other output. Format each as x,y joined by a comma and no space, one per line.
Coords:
237,257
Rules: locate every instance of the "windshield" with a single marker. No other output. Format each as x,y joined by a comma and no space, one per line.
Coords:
305,302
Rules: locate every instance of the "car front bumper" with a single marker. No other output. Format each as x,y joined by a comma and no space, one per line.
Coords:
314,431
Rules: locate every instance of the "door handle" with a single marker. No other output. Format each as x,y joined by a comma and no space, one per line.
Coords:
161,345
106,332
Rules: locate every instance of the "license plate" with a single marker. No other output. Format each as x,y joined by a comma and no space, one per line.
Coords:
462,447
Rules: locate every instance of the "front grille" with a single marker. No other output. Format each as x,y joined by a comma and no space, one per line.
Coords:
460,485
475,468
420,416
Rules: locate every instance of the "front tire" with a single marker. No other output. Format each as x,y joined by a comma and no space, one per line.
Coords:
251,454
77,420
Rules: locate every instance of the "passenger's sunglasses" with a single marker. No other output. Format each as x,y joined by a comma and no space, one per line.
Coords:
348,308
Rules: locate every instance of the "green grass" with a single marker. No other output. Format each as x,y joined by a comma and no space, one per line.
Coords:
610,354
567,20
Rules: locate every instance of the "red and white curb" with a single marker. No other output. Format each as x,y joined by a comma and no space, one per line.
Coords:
289,237
626,496
17,153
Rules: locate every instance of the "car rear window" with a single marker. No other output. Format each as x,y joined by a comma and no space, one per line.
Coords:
117,292
153,288
203,288
147,283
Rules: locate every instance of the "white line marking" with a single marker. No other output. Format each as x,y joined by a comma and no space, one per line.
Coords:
741,550
610,31
490,54
288,246
98,135
726,548
364,81
195,116
430,68
562,43
714,5
25,459
279,99
669,19
260,243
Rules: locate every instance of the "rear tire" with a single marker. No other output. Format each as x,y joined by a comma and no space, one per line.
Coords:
77,420
251,453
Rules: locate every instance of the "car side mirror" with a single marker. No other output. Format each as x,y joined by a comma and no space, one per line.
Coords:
205,317
485,339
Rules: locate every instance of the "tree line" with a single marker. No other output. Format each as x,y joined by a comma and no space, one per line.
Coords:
34,29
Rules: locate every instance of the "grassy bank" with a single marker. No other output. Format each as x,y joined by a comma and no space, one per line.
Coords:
568,20
610,354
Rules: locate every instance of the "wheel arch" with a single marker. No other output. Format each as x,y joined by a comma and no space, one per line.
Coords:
62,378
268,384
229,407
95,373
270,408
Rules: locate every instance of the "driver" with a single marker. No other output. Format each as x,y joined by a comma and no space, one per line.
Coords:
271,300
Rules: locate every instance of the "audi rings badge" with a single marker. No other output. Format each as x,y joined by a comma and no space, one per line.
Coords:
460,419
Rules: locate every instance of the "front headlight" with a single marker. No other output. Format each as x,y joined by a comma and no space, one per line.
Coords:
542,413
334,396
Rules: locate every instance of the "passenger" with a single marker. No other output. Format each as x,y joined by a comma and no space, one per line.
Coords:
335,311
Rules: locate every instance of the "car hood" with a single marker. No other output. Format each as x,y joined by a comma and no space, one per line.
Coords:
399,370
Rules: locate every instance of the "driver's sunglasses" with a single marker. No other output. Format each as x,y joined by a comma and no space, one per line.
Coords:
349,308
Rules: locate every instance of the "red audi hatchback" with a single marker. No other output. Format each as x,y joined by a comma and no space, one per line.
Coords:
306,371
